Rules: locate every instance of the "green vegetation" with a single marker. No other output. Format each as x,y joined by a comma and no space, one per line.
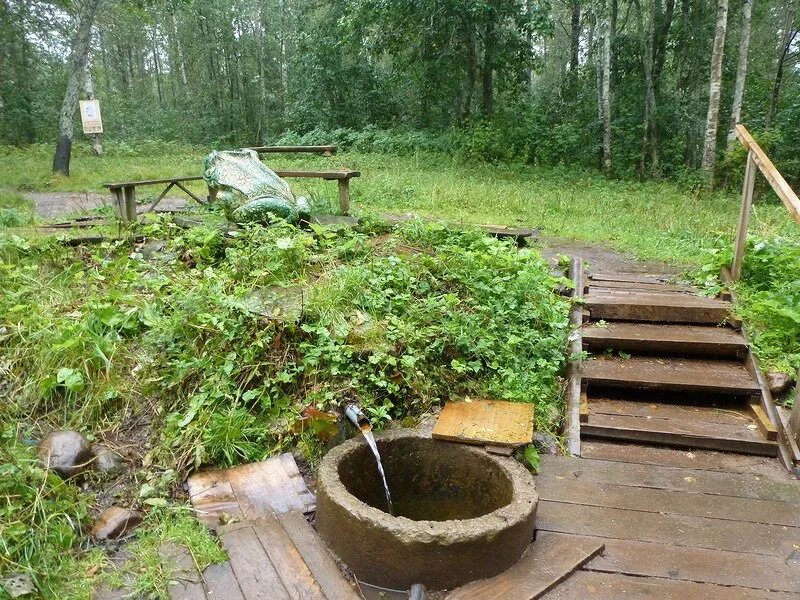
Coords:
768,296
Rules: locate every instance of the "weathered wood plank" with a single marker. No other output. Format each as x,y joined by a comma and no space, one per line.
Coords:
257,577
680,530
250,491
285,558
706,460
639,286
681,433
649,406
684,374
574,387
551,559
221,583
762,420
671,478
666,308
645,559
684,340
494,422
651,278
184,582
586,585
658,501
317,557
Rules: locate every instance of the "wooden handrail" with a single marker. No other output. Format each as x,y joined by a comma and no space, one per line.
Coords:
757,158
776,180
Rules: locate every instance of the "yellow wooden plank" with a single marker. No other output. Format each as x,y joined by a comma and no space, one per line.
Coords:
492,422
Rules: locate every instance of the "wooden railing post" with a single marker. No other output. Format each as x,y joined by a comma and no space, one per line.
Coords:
794,416
744,216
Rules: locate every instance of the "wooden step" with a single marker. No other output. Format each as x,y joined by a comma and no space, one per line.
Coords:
652,278
709,428
659,338
670,374
599,286
621,305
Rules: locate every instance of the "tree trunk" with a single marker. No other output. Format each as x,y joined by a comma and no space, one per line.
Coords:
472,76
84,19
88,89
605,95
787,39
741,69
715,85
488,67
575,38
649,138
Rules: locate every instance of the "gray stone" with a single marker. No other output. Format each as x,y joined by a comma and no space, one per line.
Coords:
114,522
460,514
66,452
105,459
545,443
778,382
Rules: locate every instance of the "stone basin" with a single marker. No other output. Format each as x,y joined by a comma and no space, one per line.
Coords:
460,514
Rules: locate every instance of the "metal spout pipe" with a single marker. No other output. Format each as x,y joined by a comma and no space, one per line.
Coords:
357,417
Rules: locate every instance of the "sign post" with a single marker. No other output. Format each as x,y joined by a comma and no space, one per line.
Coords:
92,122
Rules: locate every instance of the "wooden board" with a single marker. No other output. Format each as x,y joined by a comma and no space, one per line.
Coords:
250,491
551,559
184,581
666,528
588,585
221,583
676,426
648,406
491,422
652,278
705,460
255,573
730,508
665,308
644,559
317,557
639,286
674,374
684,340
672,478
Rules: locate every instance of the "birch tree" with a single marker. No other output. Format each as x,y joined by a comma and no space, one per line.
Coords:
84,18
741,69
715,86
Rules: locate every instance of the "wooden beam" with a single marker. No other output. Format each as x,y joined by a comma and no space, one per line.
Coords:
744,217
161,196
794,417
776,180
572,421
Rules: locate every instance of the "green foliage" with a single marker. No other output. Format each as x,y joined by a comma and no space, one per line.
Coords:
15,211
401,322
768,296
41,524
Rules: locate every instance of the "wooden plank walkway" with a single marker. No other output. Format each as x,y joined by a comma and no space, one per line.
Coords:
675,524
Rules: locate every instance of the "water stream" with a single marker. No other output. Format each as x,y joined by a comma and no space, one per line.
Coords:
367,431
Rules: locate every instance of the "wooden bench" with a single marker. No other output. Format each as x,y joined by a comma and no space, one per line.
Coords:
323,150
124,193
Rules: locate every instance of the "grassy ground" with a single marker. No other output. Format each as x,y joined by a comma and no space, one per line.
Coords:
657,220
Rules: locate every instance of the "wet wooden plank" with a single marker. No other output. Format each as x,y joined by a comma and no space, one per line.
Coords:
652,278
750,510
285,558
257,577
317,557
684,340
666,308
250,491
607,404
492,422
672,478
184,582
645,559
639,286
707,460
762,420
681,433
551,559
675,374
586,585
680,530
221,583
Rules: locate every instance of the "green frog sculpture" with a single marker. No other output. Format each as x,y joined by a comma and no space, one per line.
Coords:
248,191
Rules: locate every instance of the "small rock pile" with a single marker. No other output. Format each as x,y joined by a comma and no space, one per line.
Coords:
69,454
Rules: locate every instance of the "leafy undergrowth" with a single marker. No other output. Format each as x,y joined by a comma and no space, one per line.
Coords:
768,297
221,341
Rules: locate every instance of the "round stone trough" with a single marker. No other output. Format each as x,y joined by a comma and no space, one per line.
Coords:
460,514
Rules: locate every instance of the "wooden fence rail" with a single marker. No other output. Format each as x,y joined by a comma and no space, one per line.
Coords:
757,158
